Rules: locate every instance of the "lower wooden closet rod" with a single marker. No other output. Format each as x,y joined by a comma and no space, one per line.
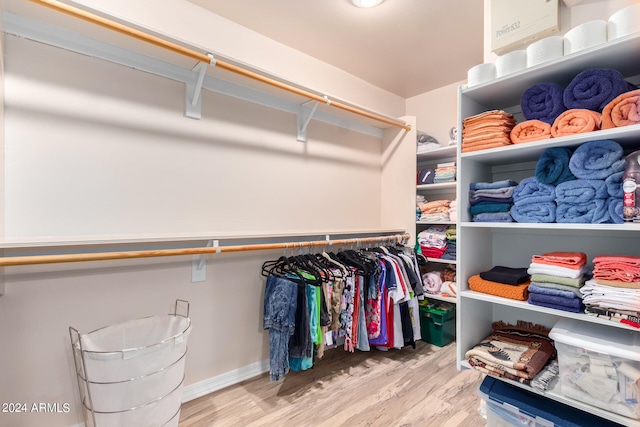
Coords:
131,32
105,256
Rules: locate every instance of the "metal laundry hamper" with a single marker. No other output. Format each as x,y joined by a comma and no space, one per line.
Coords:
132,373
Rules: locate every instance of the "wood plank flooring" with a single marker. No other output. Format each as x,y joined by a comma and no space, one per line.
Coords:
401,388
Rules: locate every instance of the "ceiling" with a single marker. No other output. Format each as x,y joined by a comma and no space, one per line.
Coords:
407,47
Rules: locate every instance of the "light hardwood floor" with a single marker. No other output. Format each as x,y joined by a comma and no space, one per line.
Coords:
400,388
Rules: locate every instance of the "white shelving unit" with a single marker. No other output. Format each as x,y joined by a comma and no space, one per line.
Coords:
484,245
444,190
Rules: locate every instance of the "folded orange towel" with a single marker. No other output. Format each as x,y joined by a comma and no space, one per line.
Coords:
485,145
518,292
529,131
573,260
622,111
575,121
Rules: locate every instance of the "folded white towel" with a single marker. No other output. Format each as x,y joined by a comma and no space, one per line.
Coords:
554,270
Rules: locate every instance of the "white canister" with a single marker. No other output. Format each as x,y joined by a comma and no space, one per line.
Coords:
511,62
544,50
585,35
624,22
481,73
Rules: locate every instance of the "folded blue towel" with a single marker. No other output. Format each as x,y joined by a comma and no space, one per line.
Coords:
492,185
531,191
594,88
539,212
597,159
557,303
553,166
489,207
534,289
581,191
614,206
477,200
493,217
543,102
592,212
614,184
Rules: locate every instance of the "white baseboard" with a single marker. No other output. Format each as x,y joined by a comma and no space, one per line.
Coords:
221,381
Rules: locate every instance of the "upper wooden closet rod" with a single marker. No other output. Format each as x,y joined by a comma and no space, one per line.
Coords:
105,256
78,13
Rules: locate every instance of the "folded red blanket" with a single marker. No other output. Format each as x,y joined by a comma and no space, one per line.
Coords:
617,268
629,260
576,121
529,131
622,111
573,260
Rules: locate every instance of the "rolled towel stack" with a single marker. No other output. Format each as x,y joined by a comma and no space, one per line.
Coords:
594,88
529,131
596,196
553,166
491,201
543,101
556,278
435,211
624,110
576,121
487,130
433,241
534,202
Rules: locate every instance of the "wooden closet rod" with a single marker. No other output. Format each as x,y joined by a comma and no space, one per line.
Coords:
106,256
123,29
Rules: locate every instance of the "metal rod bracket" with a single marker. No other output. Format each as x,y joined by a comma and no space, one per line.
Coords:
199,264
193,102
304,115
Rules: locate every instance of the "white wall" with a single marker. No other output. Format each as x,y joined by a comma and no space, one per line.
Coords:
94,148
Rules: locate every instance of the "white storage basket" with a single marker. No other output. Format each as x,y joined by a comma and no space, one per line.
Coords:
131,373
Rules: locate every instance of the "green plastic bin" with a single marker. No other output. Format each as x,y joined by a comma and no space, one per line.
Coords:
438,324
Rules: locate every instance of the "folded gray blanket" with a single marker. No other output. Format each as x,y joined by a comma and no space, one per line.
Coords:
558,287
550,291
597,159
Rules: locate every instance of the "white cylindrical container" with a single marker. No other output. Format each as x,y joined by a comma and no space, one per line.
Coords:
481,73
544,50
584,36
624,22
511,62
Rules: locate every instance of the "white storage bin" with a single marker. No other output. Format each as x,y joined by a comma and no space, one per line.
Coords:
132,373
599,365
507,416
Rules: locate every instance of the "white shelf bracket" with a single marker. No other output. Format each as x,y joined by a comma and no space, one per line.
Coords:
199,264
304,115
193,102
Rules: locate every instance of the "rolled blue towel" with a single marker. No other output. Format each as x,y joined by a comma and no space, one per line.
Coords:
597,159
614,184
493,217
614,206
553,166
538,212
531,191
485,207
492,185
581,191
543,101
592,212
594,88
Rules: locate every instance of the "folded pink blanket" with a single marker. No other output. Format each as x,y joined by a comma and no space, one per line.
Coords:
627,260
622,111
573,260
576,121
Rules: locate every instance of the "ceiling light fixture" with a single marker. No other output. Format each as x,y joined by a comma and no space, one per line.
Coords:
366,3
